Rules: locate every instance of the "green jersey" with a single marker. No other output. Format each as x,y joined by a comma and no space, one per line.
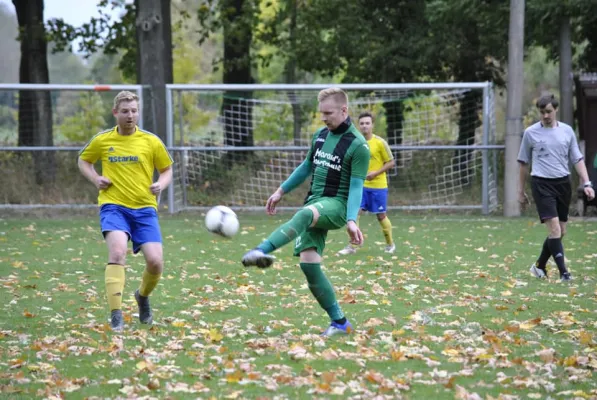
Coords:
336,156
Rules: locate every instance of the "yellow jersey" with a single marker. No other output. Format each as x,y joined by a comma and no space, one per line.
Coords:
129,162
380,154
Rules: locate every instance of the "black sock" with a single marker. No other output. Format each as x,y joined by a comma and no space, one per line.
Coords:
340,321
557,251
544,256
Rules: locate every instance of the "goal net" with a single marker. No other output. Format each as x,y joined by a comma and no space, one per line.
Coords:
235,144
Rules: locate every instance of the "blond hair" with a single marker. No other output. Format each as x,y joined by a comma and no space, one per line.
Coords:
124,96
337,94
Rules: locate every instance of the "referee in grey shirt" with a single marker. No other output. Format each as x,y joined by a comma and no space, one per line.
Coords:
550,146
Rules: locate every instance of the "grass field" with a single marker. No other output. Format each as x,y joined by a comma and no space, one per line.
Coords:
453,314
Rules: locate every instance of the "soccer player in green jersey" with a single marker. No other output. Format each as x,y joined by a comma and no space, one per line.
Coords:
337,163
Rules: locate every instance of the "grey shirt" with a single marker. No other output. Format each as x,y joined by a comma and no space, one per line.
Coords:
549,150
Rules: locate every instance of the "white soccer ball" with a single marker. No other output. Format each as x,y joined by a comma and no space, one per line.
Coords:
222,221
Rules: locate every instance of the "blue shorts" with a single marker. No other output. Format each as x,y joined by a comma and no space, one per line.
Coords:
141,224
375,200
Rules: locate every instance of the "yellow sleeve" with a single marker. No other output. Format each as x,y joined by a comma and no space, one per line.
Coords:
92,150
387,153
162,158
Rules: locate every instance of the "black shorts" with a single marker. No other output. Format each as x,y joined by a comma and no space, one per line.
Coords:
552,197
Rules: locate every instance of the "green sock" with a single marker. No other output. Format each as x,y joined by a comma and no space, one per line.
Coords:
322,290
288,231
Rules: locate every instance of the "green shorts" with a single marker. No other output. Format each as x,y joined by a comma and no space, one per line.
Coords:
332,215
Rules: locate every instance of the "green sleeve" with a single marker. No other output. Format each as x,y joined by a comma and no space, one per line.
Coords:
297,177
360,162
355,195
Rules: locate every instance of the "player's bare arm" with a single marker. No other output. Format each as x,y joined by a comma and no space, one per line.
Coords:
86,168
373,174
163,181
355,234
581,169
523,199
274,199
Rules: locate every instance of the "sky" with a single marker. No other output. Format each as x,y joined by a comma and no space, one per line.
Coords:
75,12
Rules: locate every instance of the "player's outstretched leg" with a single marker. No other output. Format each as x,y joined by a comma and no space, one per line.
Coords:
256,257
285,233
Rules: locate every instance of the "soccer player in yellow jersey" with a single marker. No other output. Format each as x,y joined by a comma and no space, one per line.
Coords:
127,200
375,191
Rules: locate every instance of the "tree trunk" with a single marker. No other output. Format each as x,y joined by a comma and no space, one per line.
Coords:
35,106
237,109
154,61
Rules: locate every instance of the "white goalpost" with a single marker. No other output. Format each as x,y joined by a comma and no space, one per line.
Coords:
234,144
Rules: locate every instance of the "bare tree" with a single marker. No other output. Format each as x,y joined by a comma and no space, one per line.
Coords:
35,106
154,59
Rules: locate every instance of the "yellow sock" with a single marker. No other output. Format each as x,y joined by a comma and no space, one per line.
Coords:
148,283
386,227
114,278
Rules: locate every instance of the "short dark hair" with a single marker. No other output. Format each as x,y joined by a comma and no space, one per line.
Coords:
547,99
365,114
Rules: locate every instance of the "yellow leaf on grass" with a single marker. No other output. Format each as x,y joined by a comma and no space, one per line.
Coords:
215,336
526,326
178,324
451,352
141,365
585,337
234,377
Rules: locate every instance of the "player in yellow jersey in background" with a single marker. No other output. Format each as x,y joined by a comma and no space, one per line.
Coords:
127,200
375,191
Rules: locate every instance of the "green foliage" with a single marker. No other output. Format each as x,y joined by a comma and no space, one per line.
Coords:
112,37
468,39
86,118
425,112
195,119
8,124
543,20
66,67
